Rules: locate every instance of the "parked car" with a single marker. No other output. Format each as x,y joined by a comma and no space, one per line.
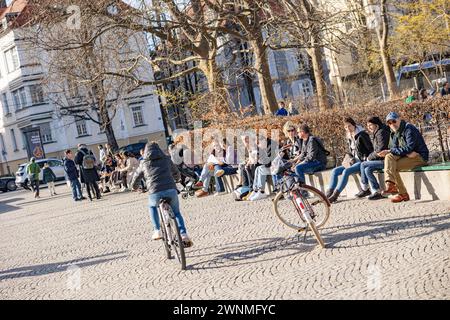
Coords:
56,165
7,184
133,148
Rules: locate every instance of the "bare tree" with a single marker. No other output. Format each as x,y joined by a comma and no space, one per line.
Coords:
84,64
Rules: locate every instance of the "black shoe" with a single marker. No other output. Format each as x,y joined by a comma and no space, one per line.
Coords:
334,196
77,199
329,193
363,194
107,190
375,196
83,198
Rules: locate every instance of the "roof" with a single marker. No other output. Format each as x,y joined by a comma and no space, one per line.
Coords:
420,66
16,6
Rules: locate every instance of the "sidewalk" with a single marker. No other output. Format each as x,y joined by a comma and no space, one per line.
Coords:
56,248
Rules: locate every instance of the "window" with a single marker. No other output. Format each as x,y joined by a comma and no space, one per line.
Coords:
137,116
46,132
306,88
13,140
54,163
5,103
12,59
81,128
302,60
20,98
37,94
2,145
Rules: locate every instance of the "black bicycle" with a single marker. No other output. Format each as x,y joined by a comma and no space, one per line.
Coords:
171,233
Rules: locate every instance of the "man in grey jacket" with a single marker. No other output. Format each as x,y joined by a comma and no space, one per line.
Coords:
160,175
313,155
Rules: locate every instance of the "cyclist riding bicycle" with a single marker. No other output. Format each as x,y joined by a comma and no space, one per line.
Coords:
160,174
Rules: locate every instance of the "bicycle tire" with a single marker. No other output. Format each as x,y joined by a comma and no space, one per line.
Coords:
299,224
177,242
165,238
316,233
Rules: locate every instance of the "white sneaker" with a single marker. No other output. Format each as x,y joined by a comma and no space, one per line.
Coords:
219,193
252,195
187,242
259,196
157,235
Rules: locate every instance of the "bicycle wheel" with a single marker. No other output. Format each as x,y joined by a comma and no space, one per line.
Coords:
286,210
175,238
165,237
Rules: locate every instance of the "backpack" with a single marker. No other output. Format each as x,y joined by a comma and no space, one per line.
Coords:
88,160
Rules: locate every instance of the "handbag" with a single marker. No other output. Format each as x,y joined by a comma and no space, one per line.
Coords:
348,161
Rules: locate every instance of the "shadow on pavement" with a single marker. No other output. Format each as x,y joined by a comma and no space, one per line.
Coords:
385,229
5,207
43,269
247,252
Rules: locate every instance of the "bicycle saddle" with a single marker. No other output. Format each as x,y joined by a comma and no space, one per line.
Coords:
166,200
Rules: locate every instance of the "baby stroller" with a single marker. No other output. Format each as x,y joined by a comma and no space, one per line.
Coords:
189,178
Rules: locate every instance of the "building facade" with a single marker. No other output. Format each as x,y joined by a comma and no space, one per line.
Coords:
25,105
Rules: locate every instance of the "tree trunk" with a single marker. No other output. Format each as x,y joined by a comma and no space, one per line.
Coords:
321,86
389,73
212,74
268,98
383,34
106,124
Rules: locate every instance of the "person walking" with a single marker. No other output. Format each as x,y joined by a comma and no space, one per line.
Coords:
72,175
86,161
33,171
49,178
160,174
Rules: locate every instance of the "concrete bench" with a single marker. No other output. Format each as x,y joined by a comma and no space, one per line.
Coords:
230,183
423,183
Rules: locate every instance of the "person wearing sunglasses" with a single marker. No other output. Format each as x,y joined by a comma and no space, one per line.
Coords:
407,150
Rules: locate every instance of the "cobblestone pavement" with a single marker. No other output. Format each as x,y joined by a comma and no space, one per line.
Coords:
376,250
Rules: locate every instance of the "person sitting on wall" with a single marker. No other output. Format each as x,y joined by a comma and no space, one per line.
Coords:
407,150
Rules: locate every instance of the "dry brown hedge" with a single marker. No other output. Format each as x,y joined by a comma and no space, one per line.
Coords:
328,124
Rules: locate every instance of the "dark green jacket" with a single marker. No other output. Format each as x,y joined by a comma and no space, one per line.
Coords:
49,175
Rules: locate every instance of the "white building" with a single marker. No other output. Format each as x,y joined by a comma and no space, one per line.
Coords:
24,104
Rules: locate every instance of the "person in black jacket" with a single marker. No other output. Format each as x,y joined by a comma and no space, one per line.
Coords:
379,135
160,174
360,147
88,176
72,175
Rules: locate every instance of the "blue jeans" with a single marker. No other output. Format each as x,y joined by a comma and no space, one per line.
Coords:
309,167
261,174
228,172
367,176
346,173
153,203
76,189
205,177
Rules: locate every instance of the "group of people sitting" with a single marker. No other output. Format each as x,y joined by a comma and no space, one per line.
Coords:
392,146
